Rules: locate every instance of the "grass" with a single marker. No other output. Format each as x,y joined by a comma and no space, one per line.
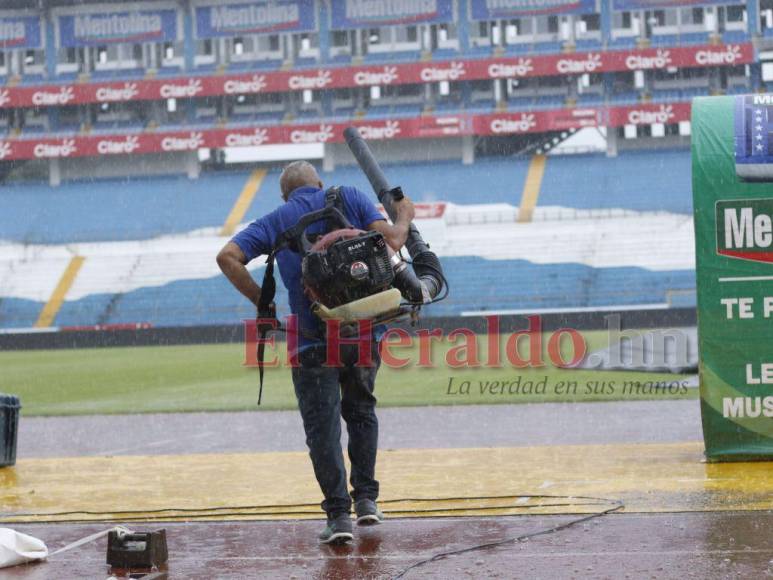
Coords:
212,378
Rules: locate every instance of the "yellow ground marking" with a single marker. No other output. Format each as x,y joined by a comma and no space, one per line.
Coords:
51,309
243,202
645,477
531,188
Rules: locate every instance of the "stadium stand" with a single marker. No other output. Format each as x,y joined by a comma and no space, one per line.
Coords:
148,242
143,208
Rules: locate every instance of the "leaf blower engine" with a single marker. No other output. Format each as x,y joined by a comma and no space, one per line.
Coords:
350,274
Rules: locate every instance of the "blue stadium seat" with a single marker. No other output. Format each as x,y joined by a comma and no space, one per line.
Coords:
519,48
735,37
551,101
642,181
477,285
625,98
547,47
590,100
694,38
587,44
122,209
625,42
664,39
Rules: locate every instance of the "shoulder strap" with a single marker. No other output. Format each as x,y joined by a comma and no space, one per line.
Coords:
333,198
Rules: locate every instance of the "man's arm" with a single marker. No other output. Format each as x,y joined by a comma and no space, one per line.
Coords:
233,262
396,233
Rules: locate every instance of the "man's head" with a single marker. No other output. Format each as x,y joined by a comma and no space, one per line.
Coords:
298,174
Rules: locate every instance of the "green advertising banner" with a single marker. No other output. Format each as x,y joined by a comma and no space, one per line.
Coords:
732,170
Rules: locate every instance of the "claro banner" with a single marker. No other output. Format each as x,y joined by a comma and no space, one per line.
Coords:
363,76
376,130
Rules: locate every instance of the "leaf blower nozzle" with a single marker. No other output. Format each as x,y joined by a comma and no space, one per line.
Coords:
425,281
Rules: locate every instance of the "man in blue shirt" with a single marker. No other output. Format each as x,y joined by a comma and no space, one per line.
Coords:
324,393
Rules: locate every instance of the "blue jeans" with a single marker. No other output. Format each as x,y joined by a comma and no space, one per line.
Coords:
325,394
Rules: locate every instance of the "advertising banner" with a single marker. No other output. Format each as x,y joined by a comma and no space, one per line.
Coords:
375,13
420,127
269,16
20,32
501,9
381,75
136,26
732,173
628,5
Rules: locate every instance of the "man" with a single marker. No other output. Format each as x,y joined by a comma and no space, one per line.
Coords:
324,393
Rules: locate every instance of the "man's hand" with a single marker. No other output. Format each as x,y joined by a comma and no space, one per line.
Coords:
233,263
397,233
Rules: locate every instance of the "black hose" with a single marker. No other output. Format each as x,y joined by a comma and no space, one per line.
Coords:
426,265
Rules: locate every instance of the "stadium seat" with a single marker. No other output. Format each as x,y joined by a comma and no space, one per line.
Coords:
622,43
694,38
735,37
664,39
587,44
547,47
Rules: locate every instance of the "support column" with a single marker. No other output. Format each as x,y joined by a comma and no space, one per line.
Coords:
189,41
328,159
192,165
324,32
611,142
468,150
50,46
54,172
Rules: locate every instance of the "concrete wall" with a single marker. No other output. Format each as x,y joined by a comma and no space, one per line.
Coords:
413,150
123,165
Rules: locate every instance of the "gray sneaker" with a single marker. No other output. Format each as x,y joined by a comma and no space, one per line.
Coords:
368,513
337,531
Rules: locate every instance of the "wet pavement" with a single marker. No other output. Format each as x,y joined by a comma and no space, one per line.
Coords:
410,427
684,546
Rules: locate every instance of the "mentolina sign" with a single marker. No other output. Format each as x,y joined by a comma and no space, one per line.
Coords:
126,26
254,18
745,229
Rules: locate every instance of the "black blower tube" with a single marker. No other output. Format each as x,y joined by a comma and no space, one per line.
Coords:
425,263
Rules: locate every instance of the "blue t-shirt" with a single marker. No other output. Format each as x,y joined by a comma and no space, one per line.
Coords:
260,236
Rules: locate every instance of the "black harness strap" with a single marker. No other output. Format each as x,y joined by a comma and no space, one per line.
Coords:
266,307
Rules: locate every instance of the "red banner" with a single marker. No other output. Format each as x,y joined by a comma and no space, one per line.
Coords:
408,73
376,130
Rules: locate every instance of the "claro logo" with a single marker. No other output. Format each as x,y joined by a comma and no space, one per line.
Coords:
60,97
116,147
324,135
388,131
191,89
115,94
318,81
589,64
5,97
526,122
256,84
386,76
521,68
5,149
643,117
194,141
730,55
259,137
661,59
65,148
453,72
